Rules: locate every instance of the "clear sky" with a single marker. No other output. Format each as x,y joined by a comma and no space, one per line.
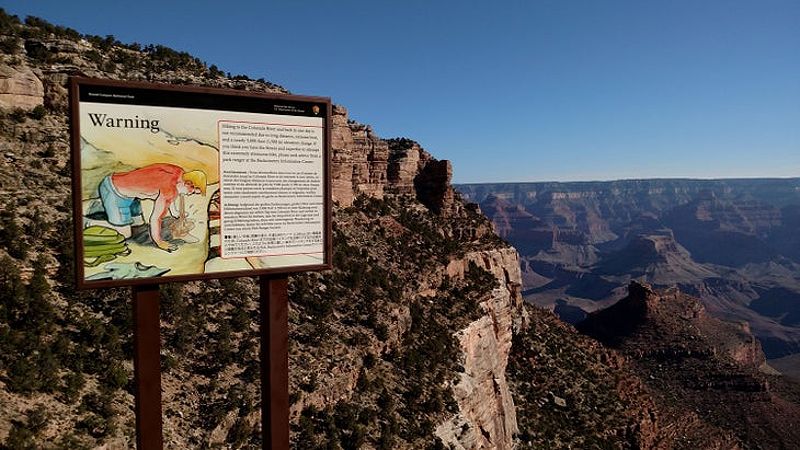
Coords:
513,91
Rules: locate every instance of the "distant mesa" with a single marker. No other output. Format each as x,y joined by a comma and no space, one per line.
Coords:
714,368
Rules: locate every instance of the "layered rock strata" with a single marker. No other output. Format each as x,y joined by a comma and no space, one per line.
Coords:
363,163
486,416
20,88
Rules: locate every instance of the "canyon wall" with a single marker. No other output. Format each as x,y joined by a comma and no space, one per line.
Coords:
487,417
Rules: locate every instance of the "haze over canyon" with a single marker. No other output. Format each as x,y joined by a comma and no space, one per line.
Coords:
733,243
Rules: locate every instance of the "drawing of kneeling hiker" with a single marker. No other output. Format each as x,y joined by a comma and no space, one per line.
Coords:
121,194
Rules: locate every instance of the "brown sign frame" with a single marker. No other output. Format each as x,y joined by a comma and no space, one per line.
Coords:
210,93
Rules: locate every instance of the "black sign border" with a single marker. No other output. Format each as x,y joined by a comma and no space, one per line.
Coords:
227,95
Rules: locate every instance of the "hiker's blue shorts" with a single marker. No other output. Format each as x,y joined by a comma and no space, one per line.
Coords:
120,209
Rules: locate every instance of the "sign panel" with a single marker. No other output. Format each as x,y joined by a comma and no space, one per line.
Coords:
178,183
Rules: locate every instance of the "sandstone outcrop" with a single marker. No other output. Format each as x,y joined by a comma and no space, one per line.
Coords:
20,87
433,186
363,163
359,159
406,158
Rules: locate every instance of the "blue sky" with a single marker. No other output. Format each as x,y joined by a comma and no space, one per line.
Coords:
513,90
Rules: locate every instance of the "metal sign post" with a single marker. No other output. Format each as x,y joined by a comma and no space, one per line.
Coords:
147,366
274,362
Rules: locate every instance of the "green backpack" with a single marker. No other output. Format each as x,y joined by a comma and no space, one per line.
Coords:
102,244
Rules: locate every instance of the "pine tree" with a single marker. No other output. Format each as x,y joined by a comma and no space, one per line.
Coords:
12,237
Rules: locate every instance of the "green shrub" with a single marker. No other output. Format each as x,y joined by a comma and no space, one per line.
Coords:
239,433
38,112
23,376
116,377
20,438
49,151
18,115
9,45
214,72
73,383
8,23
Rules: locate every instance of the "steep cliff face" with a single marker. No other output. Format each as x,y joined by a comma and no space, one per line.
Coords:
486,416
437,341
359,158
365,164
